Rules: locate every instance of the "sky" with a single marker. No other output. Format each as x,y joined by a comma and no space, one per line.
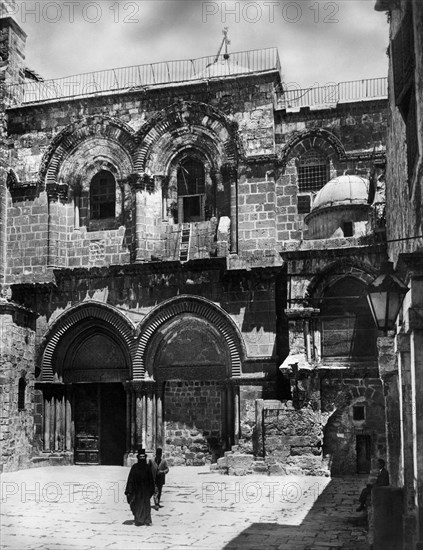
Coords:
319,41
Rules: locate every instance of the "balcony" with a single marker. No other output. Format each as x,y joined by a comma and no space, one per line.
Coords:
325,97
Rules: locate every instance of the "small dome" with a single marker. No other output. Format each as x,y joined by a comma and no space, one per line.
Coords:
343,190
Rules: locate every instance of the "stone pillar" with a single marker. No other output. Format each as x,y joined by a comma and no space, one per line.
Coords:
229,416
148,211
150,421
388,372
387,509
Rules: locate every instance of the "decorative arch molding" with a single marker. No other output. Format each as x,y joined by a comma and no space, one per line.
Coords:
88,310
66,141
336,271
320,139
195,120
189,304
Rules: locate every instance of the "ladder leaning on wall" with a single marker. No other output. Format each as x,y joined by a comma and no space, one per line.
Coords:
185,242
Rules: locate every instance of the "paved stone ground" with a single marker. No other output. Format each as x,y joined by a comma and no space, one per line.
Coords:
84,508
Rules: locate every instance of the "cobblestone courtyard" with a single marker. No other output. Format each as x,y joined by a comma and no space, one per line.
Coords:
84,508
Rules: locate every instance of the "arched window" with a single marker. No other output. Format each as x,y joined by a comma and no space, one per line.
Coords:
21,393
313,171
191,191
347,325
102,196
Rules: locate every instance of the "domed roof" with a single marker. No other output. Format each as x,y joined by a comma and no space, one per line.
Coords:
343,190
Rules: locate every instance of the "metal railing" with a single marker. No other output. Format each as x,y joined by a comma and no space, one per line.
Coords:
141,76
331,94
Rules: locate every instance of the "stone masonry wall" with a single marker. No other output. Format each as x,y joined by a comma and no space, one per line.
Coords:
292,440
193,422
338,397
17,436
31,130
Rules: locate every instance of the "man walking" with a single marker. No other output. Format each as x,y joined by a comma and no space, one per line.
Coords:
139,489
159,468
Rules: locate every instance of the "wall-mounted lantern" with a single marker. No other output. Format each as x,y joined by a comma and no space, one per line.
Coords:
385,296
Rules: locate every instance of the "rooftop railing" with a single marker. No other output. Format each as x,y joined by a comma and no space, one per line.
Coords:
142,76
332,94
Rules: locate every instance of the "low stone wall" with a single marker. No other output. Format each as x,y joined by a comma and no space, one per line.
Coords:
292,440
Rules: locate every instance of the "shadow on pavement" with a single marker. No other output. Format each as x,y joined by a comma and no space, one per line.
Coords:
331,524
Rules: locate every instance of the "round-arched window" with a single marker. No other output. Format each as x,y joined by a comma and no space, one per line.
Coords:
102,196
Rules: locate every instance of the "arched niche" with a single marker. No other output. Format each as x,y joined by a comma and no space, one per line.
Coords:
173,309
188,347
95,355
74,328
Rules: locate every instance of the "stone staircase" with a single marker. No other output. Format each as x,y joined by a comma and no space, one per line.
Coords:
237,463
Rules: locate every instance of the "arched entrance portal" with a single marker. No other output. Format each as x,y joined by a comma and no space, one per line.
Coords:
95,366
191,364
85,365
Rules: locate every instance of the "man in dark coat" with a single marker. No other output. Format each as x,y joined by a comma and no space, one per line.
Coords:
140,489
382,479
160,469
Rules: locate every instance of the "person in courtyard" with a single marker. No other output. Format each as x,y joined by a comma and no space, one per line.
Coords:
382,479
140,489
160,468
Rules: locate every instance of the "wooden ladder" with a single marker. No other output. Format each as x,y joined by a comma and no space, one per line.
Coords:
185,242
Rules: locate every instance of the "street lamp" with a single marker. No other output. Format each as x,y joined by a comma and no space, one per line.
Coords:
385,296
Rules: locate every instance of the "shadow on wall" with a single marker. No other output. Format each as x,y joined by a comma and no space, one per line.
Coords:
329,522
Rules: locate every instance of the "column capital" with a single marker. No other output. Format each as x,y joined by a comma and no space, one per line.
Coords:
140,181
57,191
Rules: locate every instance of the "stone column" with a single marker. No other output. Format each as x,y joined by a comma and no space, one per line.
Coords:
230,178
139,418
128,392
47,419
69,424
159,416
150,420
236,405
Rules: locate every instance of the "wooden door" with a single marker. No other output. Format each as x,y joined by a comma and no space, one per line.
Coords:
87,427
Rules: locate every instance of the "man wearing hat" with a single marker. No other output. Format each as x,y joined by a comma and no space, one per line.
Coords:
140,489
160,468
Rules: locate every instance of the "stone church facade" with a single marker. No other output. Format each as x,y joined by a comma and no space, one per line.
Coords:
184,265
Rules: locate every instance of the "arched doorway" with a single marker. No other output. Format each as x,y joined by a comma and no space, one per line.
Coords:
86,363
96,367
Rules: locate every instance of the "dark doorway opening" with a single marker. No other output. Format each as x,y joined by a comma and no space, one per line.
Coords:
113,424
100,424
363,447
